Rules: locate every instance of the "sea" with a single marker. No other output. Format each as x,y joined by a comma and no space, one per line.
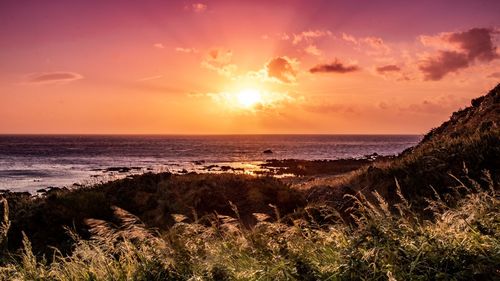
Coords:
29,163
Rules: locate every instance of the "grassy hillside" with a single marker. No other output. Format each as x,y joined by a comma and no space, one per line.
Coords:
462,243
465,149
152,197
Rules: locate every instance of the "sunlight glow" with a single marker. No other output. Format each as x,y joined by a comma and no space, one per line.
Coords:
249,97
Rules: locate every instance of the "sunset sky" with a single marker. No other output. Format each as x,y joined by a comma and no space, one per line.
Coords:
226,67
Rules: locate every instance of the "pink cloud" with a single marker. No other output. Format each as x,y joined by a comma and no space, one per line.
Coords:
199,7
370,44
54,77
186,50
310,34
158,45
313,50
468,47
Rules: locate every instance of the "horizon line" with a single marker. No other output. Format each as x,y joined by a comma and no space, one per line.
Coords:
215,134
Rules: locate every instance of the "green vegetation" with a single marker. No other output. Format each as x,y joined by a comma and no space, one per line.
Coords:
432,213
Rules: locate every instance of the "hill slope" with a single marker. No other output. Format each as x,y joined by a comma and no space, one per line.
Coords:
466,148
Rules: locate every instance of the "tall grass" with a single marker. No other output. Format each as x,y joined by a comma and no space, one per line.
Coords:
460,243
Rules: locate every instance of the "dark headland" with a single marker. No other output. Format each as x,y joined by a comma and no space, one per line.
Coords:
431,213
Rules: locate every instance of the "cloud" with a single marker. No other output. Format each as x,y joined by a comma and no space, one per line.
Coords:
220,60
435,68
441,105
477,43
349,38
308,35
383,105
284,36
462,49
159,46
53,77
494,75
282,69
336,66
325,107
197,7
388,68
313,50
371,45
377,44
150,78
186,50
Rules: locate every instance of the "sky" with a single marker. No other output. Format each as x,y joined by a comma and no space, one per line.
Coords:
242,67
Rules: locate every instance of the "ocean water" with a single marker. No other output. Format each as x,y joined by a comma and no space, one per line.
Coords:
29,162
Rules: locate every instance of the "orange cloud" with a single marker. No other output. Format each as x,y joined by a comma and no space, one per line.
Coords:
282,69
220,60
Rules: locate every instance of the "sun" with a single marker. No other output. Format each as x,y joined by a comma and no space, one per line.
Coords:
249,97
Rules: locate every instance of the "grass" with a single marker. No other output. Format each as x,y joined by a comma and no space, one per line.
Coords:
152,197
461,243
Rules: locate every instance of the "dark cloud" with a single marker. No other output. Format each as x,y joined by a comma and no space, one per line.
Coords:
477,43
473,45
54,77
335,66
388,68
281,68
445,62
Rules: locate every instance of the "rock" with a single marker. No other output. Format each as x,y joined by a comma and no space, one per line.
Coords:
118,169
267,151
225,168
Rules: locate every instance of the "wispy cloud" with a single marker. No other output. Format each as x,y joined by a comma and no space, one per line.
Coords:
309,35
220,60
313,50
494,75
186,50
158,45
197,7
325,107
371,45
150,78
53,77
